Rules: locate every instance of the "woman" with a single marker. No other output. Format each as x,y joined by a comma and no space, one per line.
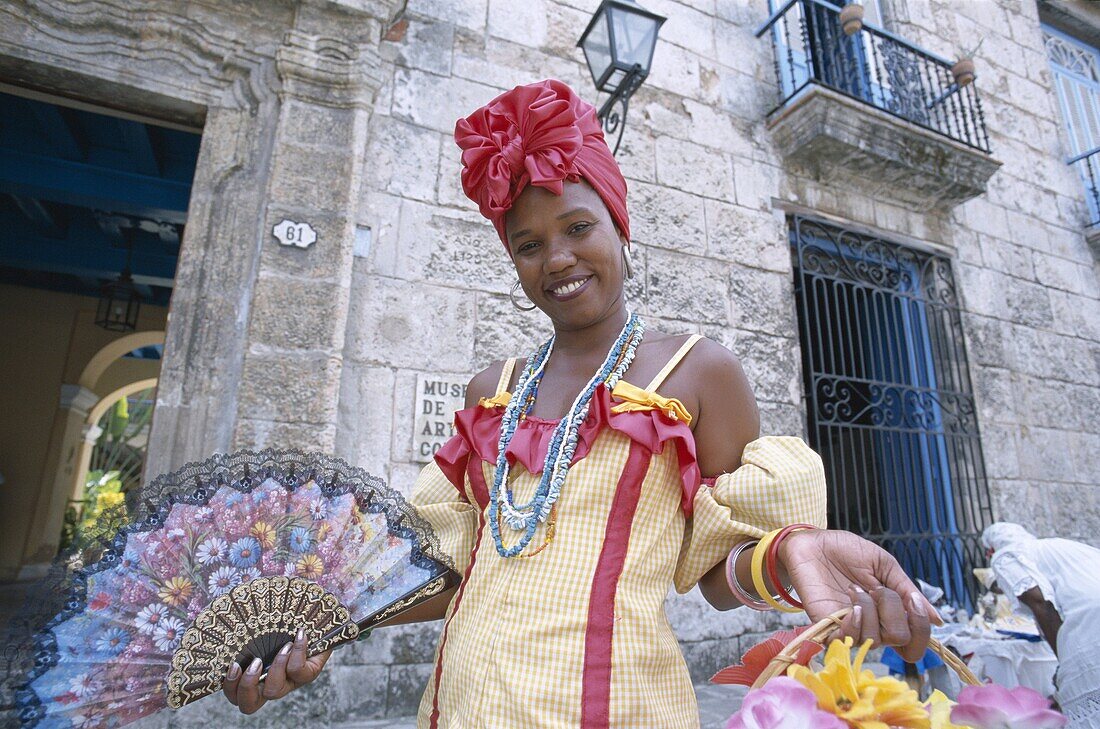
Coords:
573,497
1058,580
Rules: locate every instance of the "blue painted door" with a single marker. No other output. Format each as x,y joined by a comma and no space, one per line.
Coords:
889,405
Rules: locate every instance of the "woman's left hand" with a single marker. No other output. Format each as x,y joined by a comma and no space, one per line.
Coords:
838,569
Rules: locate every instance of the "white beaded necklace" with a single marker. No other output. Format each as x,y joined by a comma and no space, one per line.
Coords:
563,443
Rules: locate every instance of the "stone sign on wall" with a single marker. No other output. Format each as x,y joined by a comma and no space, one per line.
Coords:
290,233
437,398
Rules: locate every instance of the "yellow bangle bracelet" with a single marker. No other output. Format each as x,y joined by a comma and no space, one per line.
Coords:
759,552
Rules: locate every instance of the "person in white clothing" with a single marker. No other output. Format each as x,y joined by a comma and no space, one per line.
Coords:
1058,580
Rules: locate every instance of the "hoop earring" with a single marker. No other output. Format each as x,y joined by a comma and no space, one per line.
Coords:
512,298
628,264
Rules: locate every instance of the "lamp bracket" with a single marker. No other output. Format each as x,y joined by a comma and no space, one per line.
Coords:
614,119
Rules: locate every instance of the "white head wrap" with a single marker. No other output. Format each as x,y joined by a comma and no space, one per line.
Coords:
1013,564
1005,534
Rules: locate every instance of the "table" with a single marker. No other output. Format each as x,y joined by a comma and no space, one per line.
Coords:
1008,662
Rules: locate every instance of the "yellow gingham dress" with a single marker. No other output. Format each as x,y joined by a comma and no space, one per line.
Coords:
577,634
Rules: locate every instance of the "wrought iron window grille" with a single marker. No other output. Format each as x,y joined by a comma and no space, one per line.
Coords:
889,400
1087,166
873,66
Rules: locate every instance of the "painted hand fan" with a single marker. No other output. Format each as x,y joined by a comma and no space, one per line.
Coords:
226,560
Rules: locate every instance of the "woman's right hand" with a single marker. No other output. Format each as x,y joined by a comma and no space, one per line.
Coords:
834,569
291,669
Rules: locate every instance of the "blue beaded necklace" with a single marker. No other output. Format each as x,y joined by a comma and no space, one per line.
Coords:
563,442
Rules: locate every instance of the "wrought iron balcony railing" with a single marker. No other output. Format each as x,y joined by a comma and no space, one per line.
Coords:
1087,165
874,66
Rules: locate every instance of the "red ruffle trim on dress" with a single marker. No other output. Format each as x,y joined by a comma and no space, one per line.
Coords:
477,432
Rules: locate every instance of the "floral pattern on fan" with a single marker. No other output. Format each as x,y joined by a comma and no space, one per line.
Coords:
104,660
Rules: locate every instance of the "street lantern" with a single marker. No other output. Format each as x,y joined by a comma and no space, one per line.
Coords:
118,305
119,301
618,46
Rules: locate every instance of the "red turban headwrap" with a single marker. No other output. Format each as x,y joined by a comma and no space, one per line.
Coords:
539,134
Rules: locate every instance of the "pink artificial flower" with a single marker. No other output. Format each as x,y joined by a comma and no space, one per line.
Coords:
782,703
995,707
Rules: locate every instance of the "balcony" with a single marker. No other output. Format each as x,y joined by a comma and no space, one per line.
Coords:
874,110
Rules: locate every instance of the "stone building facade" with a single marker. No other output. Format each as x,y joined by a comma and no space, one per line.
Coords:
339,113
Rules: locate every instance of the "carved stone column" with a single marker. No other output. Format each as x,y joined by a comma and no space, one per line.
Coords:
248,360
291,375
69,428
205,342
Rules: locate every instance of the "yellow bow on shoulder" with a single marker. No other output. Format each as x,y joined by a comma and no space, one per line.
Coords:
500,400
635,398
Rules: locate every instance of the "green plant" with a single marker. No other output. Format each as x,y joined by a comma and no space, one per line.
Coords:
123,437
95,519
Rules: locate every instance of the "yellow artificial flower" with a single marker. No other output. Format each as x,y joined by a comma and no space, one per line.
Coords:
323,531
176,591
939,706
264,533
857,696
310,566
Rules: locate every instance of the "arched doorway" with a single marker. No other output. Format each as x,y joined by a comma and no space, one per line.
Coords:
92,431
120,423
93,202
110,462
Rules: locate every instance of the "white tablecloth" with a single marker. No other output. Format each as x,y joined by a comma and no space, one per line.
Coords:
1008,662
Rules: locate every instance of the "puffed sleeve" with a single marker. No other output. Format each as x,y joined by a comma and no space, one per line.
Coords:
452,516
780,481
1017,573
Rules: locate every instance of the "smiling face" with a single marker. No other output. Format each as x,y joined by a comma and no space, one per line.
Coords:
568,254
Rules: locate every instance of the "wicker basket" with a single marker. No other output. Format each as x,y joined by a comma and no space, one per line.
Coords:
822,631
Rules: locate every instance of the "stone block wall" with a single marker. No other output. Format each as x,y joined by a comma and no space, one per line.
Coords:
430,294
1027,273
708,195
412,280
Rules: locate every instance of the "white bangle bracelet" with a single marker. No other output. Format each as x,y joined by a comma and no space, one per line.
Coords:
735,585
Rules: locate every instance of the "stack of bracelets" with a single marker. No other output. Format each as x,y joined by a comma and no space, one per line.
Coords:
765,555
